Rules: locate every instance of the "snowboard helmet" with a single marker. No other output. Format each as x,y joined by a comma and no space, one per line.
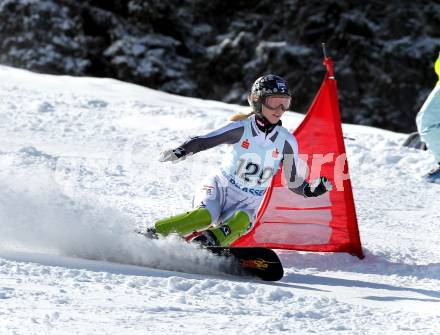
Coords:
266,86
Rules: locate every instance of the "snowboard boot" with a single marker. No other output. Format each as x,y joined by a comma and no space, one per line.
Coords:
183,224
231,229
434,175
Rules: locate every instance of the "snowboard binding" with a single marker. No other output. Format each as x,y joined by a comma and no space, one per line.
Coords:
206,239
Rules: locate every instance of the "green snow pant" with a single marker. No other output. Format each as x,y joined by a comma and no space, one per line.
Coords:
200,219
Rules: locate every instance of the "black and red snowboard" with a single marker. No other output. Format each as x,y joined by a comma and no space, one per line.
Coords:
255,261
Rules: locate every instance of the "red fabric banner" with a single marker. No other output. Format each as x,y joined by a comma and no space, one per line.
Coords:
326,223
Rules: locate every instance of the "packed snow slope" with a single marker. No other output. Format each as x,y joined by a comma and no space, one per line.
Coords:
79,174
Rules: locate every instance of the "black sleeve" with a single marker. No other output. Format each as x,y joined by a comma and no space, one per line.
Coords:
228,134
295,183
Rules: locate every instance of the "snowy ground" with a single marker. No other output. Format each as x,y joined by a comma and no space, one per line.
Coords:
79,173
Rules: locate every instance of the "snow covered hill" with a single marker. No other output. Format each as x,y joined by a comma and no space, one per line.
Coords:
79,174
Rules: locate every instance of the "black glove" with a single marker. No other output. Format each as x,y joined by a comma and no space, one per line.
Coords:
317,187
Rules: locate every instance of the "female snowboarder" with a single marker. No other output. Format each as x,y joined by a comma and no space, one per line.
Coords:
226,203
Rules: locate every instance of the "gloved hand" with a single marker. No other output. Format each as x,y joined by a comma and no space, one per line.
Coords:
172,155
318,187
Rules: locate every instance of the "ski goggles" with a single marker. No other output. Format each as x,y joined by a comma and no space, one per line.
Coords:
275,102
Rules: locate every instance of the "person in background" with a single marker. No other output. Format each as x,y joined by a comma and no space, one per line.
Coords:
428,125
